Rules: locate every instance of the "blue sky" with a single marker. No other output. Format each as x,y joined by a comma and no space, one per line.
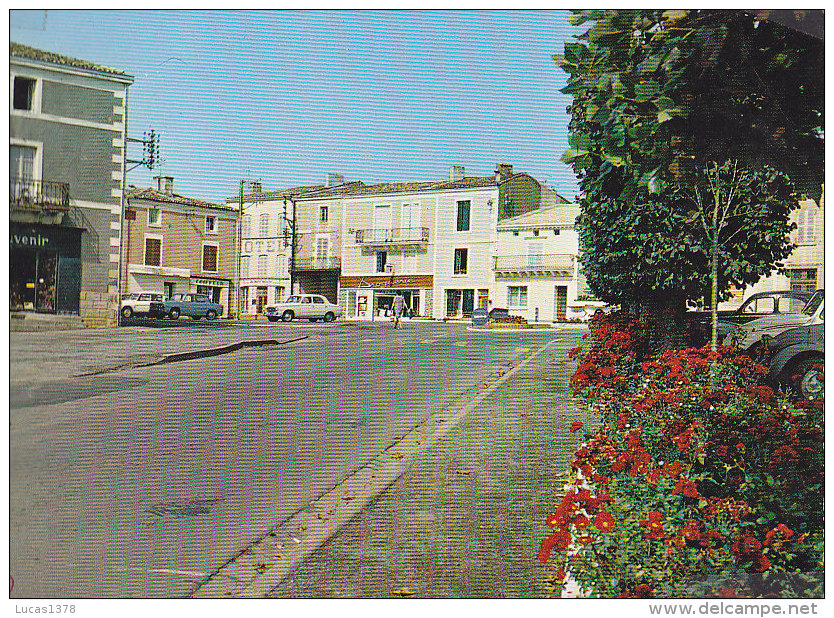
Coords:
288,96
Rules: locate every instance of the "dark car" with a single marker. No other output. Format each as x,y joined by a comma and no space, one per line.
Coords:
764,304
796,358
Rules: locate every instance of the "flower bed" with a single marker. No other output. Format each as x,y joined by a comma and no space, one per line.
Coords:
699,481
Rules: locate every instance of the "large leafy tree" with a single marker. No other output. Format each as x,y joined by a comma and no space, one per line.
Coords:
659,99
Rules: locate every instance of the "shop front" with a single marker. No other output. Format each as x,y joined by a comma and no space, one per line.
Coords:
371,297
216,289
44,268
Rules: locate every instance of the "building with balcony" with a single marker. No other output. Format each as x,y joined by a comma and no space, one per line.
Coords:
284,247
67,139
431,242
536,264
174,244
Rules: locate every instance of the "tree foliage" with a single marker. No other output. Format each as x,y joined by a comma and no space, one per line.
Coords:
658,98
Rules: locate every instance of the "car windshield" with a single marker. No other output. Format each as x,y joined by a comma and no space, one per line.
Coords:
813,303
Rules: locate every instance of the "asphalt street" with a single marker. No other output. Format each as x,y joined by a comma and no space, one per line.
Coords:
141,482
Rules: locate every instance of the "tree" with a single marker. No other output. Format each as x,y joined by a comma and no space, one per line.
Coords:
660,97
736,208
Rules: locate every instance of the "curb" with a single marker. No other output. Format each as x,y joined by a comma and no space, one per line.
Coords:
263,565
184,356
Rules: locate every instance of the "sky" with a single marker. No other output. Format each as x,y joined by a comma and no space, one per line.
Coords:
286,97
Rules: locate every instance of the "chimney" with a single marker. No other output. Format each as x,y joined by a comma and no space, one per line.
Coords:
165,184
503,171
334,180
254,186
457,172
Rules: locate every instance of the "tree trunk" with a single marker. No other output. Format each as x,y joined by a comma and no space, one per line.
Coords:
714,296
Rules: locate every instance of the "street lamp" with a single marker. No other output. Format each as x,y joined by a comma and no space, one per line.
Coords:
290,225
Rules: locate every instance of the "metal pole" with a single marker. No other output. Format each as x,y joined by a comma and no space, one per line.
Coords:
292,248
122,217
239,247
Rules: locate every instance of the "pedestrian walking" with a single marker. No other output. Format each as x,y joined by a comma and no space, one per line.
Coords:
399,307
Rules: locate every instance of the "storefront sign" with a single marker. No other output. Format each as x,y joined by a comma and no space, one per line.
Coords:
384,282
211,283
64,240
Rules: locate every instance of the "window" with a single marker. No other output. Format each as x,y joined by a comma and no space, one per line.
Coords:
262,266
244,266
24,93
154,216
247,225
461,258
210,258
534,255
263,229
323,214
803,279
22,163
517,296
806,222
765,304
409,261
322,248
153,251
463,216
211,225
279,293
381,261
555,232
281,264
535,232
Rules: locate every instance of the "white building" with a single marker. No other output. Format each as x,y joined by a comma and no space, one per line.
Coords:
430,241
536,266
804,269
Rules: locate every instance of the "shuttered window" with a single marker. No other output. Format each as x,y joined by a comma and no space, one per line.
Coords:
153,251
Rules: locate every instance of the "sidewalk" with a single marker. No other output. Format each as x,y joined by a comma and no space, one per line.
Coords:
466,520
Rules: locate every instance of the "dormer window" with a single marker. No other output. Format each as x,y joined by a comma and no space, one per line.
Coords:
24,93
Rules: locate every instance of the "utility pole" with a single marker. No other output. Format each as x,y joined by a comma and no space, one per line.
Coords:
291,224
239,247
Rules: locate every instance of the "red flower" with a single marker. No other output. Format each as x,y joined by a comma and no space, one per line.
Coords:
686,487
560,539
576,425
654,522
786,532
727,593
575,352
581,522
561,575
604,521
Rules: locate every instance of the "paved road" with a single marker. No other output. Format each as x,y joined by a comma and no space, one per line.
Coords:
168,471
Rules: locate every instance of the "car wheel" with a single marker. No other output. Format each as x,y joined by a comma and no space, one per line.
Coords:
211,314
329,316
806,378
287,316
127,312
272,318
174,314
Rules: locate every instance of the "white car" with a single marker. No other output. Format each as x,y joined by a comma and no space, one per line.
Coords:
747,335
143,303
307,306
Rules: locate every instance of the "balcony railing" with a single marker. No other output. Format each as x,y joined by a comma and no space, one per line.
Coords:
556,263
39,194
399,235
318,263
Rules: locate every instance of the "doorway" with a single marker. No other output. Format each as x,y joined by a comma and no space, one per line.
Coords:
561,303
262,299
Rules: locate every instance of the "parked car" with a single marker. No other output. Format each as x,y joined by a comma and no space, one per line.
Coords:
144,304
748,335
310,306
193,305
796,358
761,305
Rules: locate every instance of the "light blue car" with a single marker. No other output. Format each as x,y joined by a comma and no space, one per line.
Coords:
193,305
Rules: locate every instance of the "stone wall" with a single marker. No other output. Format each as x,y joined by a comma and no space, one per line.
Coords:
99,310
